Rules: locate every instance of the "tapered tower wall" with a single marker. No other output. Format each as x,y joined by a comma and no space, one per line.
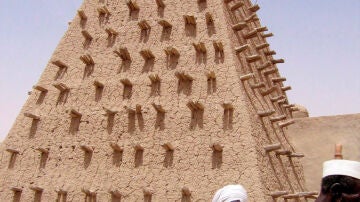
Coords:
134,107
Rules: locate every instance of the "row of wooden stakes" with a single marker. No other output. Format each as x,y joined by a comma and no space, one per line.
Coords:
186,193
91,195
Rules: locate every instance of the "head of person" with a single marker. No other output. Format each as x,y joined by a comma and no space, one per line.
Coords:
231,193
340,182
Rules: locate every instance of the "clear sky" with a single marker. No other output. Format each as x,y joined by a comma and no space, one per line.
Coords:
319,40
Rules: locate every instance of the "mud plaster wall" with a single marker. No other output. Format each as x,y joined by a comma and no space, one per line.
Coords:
67,167
317,137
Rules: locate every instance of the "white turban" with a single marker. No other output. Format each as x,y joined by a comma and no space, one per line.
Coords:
230,193
342,167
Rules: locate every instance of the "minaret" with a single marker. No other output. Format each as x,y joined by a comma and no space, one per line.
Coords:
156,100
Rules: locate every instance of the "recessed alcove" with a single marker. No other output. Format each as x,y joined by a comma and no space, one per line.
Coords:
112,34
202,5
134,9
43,91
201,53
160,3
149,59
38,191
17,192
155,85
61,195
90,195
139,117
160,116
169,154
35,120
44,155
99,88
127,89
210,24
117,155
13,156
217,155
190,25
133,6
87,39
166,31
139,155
197,114
172,57
131,120
147,194
211,83
145,30
88,153
104,14
228,116
110,114
184,83
89,64
185,194
64,91
62,69
219,51
83,17
124,54
75,119
115,195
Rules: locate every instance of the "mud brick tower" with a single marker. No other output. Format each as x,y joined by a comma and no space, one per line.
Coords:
155,100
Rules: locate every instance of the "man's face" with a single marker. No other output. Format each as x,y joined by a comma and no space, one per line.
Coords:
337,194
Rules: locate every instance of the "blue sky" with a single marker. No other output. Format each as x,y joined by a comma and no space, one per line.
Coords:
319,40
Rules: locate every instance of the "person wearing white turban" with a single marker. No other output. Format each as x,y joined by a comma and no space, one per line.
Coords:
231,193
340,182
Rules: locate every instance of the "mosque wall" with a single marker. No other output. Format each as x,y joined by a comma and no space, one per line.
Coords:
155,101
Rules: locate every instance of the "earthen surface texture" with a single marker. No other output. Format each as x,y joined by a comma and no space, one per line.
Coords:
115,116
317,137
